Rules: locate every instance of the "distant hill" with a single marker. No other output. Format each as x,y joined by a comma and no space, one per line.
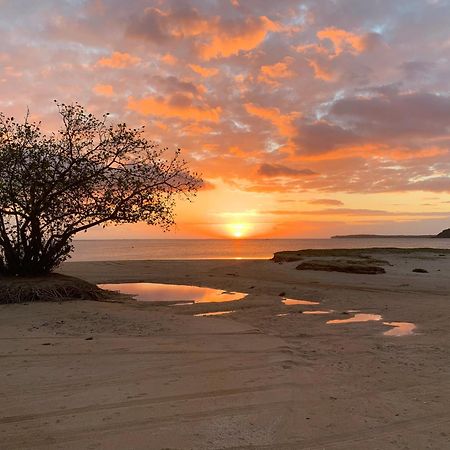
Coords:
442,234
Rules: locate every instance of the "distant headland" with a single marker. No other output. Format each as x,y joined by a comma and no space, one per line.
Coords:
442,234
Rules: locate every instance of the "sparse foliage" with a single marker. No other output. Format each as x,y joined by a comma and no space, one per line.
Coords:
89,173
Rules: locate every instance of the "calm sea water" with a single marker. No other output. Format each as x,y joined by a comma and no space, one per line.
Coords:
127,249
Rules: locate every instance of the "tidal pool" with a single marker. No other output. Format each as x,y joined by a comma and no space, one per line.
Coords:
357,318
182,294
214,313
399,328
291,301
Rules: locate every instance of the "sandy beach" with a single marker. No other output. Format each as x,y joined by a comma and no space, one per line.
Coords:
133,375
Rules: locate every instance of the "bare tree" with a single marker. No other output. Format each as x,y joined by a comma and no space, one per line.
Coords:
89,173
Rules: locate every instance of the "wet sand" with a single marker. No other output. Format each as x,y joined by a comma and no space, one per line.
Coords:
128,375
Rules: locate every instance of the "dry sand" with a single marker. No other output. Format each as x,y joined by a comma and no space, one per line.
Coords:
97,375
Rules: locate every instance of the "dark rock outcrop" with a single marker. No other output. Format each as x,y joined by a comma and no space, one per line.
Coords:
336,266
444,234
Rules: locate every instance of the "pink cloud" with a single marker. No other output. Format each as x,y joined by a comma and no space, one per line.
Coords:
103,89
118,60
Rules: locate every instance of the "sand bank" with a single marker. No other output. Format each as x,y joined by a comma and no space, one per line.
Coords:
86,375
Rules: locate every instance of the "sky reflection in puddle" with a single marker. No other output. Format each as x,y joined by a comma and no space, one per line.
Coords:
214,313
183,294
399,328
318,312
291,301
362,317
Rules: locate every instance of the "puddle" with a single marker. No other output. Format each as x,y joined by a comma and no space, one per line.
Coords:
318,312
215,313
183,294
283,314
362,317
399,328
182,304
291,301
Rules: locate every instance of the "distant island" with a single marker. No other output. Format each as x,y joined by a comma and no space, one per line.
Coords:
442,234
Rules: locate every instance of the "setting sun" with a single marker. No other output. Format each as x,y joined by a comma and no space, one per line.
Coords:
238,230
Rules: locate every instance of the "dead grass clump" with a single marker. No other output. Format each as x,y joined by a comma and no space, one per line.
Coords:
50,288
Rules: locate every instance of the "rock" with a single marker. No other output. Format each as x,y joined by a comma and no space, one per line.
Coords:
420,270
444,234
335,266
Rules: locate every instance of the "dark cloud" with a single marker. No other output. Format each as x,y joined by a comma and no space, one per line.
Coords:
276,170
159,27
322,137
173,84
398,115
416,68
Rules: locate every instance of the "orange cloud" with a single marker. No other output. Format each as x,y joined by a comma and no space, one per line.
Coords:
225,42
196,129
271,73
320,72
204,71
169,59
284,122
173,107
103,89
119,61
343,40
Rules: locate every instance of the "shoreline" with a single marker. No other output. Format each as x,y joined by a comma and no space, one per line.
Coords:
175,249
82,374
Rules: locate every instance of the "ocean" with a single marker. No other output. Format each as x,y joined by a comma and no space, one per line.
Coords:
142,249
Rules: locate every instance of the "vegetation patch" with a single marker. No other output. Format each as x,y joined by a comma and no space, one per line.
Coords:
51,288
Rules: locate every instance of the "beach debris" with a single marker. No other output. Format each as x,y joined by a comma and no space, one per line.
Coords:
420,270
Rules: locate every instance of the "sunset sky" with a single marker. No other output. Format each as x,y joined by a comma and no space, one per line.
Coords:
305,118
